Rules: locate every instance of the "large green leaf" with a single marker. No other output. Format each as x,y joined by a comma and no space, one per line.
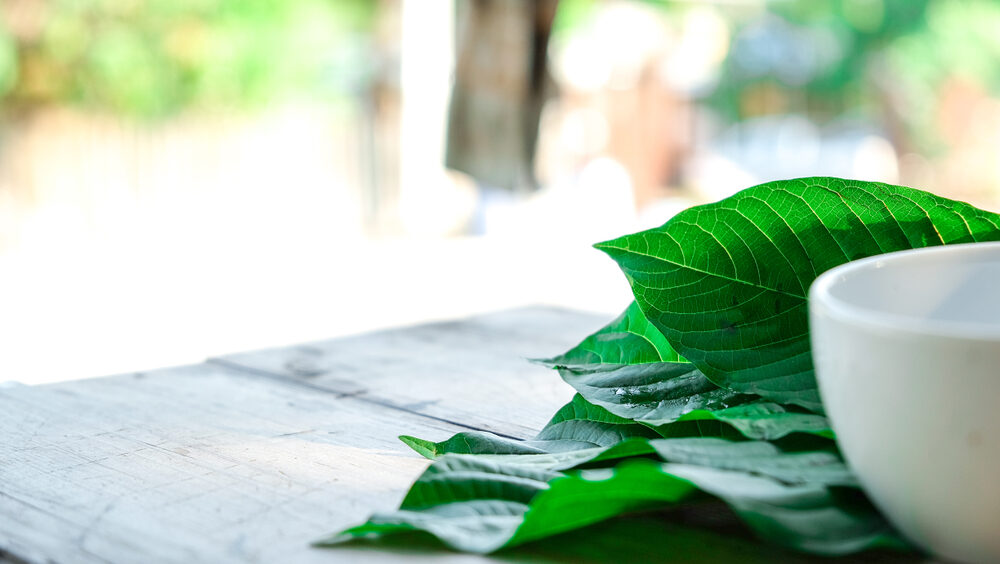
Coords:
795,499
726,283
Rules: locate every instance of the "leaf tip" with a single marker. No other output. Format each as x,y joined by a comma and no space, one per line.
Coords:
425,448
605,246
331,540
546,362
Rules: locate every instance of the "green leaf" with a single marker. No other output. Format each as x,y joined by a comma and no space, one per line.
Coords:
578,425
573,459
629,369
478,505
653,394
807,517
629,339
726,283
661,394
582,433
621,372
764,420
760,458
590,425
468,503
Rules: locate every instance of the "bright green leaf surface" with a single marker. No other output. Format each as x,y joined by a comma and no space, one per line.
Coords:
629,339
726,283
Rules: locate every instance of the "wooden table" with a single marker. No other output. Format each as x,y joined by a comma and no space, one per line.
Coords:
248,458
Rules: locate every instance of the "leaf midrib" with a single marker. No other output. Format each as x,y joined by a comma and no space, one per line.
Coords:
603,246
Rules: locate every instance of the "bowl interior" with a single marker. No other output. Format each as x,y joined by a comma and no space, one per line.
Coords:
954,287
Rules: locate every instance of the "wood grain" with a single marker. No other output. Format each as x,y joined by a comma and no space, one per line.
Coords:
474,371
196,464
222,462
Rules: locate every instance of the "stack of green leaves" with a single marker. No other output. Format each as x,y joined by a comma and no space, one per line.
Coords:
702,387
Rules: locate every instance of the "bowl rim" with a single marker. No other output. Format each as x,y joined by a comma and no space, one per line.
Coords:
820,295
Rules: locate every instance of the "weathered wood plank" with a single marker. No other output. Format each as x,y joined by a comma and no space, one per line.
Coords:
474,371
199,463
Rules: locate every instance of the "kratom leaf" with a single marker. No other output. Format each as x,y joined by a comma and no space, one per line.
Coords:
831,521
583,433
726,283
562,460
579,433
653,394
637,385
763,420
478,505
665,393
762,458
468,503
576,426
581,421
629,339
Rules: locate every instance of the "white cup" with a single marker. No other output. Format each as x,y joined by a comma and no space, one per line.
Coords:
907,353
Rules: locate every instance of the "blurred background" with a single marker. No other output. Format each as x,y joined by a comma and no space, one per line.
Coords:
186,178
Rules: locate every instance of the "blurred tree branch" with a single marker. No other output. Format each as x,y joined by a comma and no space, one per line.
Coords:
501,83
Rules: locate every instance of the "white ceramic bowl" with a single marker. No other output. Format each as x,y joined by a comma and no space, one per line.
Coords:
907,353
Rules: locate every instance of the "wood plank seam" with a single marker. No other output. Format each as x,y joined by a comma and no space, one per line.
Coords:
357,395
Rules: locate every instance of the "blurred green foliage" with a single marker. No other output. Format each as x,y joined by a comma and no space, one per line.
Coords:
826,52
959,40
866,58
152,58
571,14
889,63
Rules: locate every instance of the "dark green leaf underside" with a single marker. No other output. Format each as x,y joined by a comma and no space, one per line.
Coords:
654,394
578,425
662,394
